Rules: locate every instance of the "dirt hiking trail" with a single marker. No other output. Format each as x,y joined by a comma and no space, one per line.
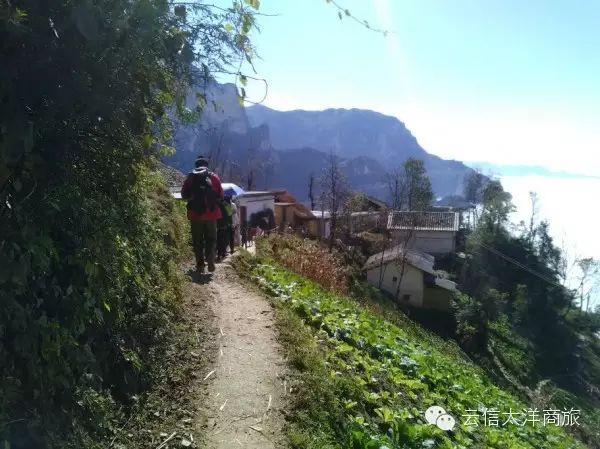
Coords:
244,393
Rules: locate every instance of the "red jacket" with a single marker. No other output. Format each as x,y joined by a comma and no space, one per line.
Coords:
186,194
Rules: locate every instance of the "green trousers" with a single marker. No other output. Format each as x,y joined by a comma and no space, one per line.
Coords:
204,240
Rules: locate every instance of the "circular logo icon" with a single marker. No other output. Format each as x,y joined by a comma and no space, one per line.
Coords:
433,413
445,422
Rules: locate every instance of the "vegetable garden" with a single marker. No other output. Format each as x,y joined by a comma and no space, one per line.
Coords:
379,379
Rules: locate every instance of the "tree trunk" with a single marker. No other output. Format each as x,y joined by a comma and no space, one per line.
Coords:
311,196
381,269
402,269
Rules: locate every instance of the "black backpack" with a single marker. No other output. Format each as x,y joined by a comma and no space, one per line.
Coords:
204,197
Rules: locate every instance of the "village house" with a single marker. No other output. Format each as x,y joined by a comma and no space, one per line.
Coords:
419,286
364,221
370,203
256,207
430,232
369,215
320,225
290,212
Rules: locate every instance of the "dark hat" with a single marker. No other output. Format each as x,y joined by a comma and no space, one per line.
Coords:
201,161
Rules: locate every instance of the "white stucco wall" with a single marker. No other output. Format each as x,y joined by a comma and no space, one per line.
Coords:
254,205
412,282
432,242
317,228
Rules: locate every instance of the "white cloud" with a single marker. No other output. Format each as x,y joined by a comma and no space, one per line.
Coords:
522,137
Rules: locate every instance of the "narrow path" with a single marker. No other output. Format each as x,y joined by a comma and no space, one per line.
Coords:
244,393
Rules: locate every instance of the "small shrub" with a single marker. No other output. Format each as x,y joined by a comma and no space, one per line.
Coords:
308,259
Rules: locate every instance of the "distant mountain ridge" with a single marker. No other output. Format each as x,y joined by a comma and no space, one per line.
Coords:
284,148
349,132
354,133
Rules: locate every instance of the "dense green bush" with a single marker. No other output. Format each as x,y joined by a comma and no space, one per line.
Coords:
78,320
515,316
89,237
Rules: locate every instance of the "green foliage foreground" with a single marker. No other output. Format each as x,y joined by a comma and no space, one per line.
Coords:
375,379
89,237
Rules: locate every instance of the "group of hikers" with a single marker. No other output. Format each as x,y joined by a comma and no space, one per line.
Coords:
212,214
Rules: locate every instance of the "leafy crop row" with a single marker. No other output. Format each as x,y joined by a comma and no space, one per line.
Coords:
384,378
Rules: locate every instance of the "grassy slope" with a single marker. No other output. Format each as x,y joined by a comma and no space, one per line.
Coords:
366,381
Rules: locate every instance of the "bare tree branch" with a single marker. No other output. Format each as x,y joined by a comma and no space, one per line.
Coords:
344,12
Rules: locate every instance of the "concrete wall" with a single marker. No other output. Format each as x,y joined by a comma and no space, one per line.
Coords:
431,242
281,213
412,282
257,204
437,298
316,228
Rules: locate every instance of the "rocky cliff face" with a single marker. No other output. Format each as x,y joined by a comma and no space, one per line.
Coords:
357,133
223,132
282,149
222,106
348,132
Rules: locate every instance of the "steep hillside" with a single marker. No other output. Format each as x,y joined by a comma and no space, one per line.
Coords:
367,379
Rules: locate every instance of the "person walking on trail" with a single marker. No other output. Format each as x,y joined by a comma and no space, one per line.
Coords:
244,235
223,225
229,211
202,188
235,224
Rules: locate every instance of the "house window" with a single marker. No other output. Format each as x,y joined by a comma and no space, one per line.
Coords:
394,279
406,297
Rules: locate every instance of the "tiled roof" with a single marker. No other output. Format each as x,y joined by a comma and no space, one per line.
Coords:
377,202
424,221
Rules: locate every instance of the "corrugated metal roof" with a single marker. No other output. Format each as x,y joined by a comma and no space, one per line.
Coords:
445,283
418,259
423,221
254,193
321,214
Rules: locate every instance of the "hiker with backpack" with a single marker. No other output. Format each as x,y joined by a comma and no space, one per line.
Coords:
202,188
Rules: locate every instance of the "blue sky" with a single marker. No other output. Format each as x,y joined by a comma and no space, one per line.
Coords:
508,82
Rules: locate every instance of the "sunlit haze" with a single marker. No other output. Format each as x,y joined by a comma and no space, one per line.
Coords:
505,82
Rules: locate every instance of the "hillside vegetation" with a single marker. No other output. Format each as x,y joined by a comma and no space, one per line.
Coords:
90,238
516,317
511,314
372,380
